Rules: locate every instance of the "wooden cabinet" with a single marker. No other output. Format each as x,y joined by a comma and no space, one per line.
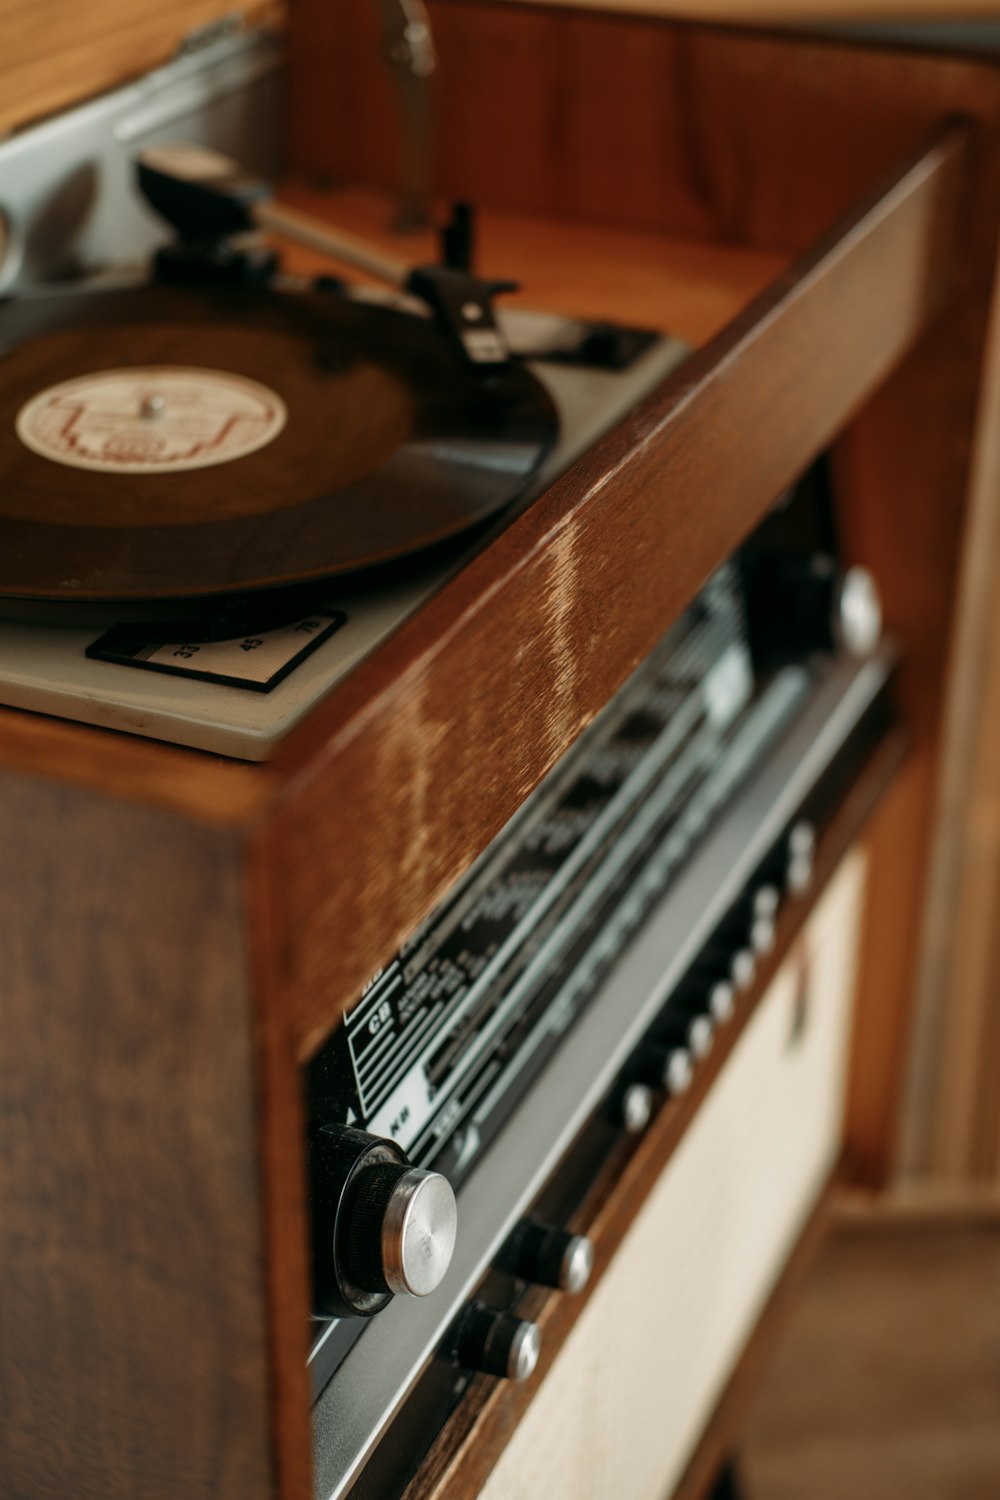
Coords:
181,932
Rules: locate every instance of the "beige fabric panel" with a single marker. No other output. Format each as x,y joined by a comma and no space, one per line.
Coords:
57,52
630,1392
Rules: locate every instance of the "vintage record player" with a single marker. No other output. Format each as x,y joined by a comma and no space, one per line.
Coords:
224,485
466,1022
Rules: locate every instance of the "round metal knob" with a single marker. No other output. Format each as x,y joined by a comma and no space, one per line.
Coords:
762,935
743,968
678,1072
550,1256
498,1343
576,1265
381,1227
728,956
636,1107
681,1028
418,1232
764,905
857,620
801,857
802,602
700,995
765,901
669,1069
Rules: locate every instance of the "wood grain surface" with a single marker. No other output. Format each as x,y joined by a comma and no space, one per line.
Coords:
166,968
688,288
905,472
951,1126
807,13
885,1380
133,1352
56,55
745,137
438,740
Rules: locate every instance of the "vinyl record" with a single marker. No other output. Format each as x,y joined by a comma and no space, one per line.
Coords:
162,444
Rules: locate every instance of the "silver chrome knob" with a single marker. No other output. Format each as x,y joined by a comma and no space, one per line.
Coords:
665,1067
418,1233
765,901
701,994
380,1226
678,1027
525,1348
762,935
636,1107
678,1073
498,1343
549,1256
577,1264
801,857
743,968
857,620
765,904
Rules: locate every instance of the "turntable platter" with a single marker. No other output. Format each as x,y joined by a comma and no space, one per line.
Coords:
164,444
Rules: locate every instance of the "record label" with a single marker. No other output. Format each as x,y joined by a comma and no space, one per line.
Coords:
154,419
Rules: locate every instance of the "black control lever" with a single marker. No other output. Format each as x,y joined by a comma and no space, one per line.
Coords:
458,238
207,198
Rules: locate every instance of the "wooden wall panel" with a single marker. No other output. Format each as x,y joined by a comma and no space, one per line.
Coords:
905,470
55,54
952,1132
627,120
791,12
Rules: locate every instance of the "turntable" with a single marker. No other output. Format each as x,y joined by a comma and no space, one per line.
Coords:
224,485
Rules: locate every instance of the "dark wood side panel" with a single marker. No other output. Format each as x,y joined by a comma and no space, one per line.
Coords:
426,751
133,1356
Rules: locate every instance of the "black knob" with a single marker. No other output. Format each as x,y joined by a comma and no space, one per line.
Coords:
721,959
679,1028
803,602
800,857
765,902
549,1256
498,1343
790,865
666,1068
751,923
631,1106
381,1227
701,994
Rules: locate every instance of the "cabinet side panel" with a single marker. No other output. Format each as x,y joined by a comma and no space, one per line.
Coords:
132,1335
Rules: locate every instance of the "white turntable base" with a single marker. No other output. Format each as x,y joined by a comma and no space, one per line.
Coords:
44,668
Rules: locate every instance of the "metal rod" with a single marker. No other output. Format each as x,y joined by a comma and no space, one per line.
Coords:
351,251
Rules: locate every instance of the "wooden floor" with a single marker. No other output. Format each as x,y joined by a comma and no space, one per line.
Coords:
886,1383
